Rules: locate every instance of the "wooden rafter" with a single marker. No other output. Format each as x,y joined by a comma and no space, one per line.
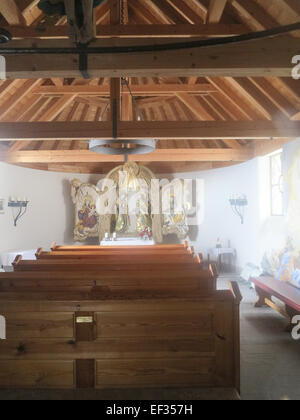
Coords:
160,155
11,12
138,90
26,88
195,106
159,130
215,11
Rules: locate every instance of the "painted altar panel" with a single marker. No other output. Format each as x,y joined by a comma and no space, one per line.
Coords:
85,198
123,203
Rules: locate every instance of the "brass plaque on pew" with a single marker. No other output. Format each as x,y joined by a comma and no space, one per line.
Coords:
84,320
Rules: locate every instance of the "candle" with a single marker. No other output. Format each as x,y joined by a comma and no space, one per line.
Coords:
114,236
106,235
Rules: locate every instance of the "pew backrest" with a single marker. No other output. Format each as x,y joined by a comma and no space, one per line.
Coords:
88,248
40,254
201,281
65,343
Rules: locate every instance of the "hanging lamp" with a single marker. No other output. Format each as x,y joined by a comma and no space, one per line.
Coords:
118,146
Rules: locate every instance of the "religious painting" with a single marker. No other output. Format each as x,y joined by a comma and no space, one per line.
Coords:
123,203
174,210
132,213
85,198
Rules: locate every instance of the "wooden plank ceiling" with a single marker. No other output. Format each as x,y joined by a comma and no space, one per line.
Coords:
269,103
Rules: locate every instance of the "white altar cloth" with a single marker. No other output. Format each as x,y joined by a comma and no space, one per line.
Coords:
8,257
127,242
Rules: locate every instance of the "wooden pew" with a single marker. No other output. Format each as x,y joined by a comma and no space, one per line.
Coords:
74,340
268,287
118,263
184,254
109,280
110,323
88,248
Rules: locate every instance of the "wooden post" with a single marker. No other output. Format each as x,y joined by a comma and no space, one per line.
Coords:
115,83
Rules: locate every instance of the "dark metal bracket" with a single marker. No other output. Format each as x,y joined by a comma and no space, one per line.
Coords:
83,62
21,206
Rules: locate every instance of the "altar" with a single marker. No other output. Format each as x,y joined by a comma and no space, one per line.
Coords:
130,205
127,242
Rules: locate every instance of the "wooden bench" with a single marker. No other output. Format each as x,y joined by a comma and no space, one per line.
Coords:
90,323
118,255
100,259
112,281
136,248
74,340
268,287
116,263
161,266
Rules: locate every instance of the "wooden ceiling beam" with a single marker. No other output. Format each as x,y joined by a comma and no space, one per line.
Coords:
275,96
91,101
51,113
239,104
253,15
160,155
25,89
57,82
165,9
31,100
214,130
294,5
31,12
104,168
11,12
135,31
265,147
194,106
256,97
216,10
199,8
174,130
185,11
139,90
296,117
148,11
254,58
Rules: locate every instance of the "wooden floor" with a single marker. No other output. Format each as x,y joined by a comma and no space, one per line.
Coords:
269,368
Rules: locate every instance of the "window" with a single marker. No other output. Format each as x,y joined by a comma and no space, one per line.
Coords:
276,185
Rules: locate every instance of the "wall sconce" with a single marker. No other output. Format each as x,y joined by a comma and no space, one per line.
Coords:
238,205
2,205
21,205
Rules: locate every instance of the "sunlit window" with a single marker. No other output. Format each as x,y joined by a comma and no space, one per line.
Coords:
276,185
